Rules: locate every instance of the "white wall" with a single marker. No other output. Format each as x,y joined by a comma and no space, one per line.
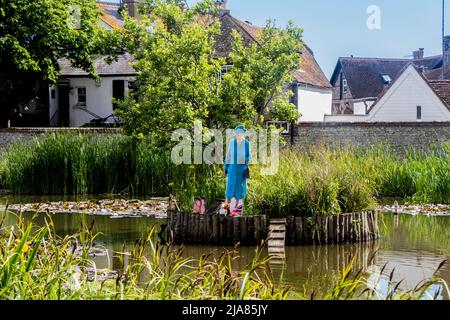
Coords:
346,118
400,103
361,108
99,100
314,103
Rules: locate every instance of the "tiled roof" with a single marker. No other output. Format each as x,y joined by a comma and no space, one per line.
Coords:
364,75
309,71
110,14
436,74
442,89
123,66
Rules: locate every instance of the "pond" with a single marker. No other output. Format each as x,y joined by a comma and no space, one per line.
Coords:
412,245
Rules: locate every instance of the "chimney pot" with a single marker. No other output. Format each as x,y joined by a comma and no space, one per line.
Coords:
419,54
132,8
222,5
446,56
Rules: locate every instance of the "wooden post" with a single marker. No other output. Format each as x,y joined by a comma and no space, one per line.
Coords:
264,228
372,226
184,223
243,230
257,229
298,231
330,229
215,228
377,230
236,230
365,234
208,229
189,228
335,229
354,227
201,236
251,231
222,229
290,230
360,227
230,233
197,237
346,229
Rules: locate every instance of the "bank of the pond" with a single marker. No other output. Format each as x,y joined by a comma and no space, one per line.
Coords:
317,183
114,208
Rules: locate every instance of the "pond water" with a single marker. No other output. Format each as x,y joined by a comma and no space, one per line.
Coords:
413,245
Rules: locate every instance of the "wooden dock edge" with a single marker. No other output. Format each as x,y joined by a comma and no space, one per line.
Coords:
187,228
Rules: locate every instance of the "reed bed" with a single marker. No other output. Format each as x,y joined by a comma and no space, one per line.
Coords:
39,265
320,182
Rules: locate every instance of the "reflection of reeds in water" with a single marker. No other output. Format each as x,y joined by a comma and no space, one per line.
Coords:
147,269
432,233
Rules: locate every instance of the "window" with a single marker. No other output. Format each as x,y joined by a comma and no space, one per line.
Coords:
53,94
225,70
284,126
118,92
419,112
81,97
386,78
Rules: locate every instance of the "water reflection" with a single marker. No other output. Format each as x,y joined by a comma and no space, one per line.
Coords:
414,246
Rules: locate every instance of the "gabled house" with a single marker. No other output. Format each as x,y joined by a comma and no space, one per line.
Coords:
78,100
391,90
311,88
412,98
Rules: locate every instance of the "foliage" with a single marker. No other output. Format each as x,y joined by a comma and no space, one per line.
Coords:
77,164
180,77
316,183
34,34
267,65
321,183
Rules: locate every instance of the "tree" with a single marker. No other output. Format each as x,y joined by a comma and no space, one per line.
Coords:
34,34
268,64
180,78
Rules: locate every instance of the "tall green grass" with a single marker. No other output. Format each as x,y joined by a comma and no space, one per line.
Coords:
78,164
320,182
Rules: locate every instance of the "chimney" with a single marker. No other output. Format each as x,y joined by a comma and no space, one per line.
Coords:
446,56
222,5
132,8
419,54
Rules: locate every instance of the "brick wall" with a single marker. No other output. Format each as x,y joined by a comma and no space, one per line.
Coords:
7,136
397,135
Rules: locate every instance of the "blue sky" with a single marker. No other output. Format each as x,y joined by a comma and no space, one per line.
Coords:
334,28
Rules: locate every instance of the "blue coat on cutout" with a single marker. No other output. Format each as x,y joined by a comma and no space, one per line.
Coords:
236,162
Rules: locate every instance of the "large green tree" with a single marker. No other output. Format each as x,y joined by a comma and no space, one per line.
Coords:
180,75
34,34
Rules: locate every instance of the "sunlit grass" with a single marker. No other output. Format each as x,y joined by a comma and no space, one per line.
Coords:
320,182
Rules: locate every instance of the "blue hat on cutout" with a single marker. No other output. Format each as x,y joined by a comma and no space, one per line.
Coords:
240,129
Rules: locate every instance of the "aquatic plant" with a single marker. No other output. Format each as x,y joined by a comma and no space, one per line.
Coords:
39,265
319,182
